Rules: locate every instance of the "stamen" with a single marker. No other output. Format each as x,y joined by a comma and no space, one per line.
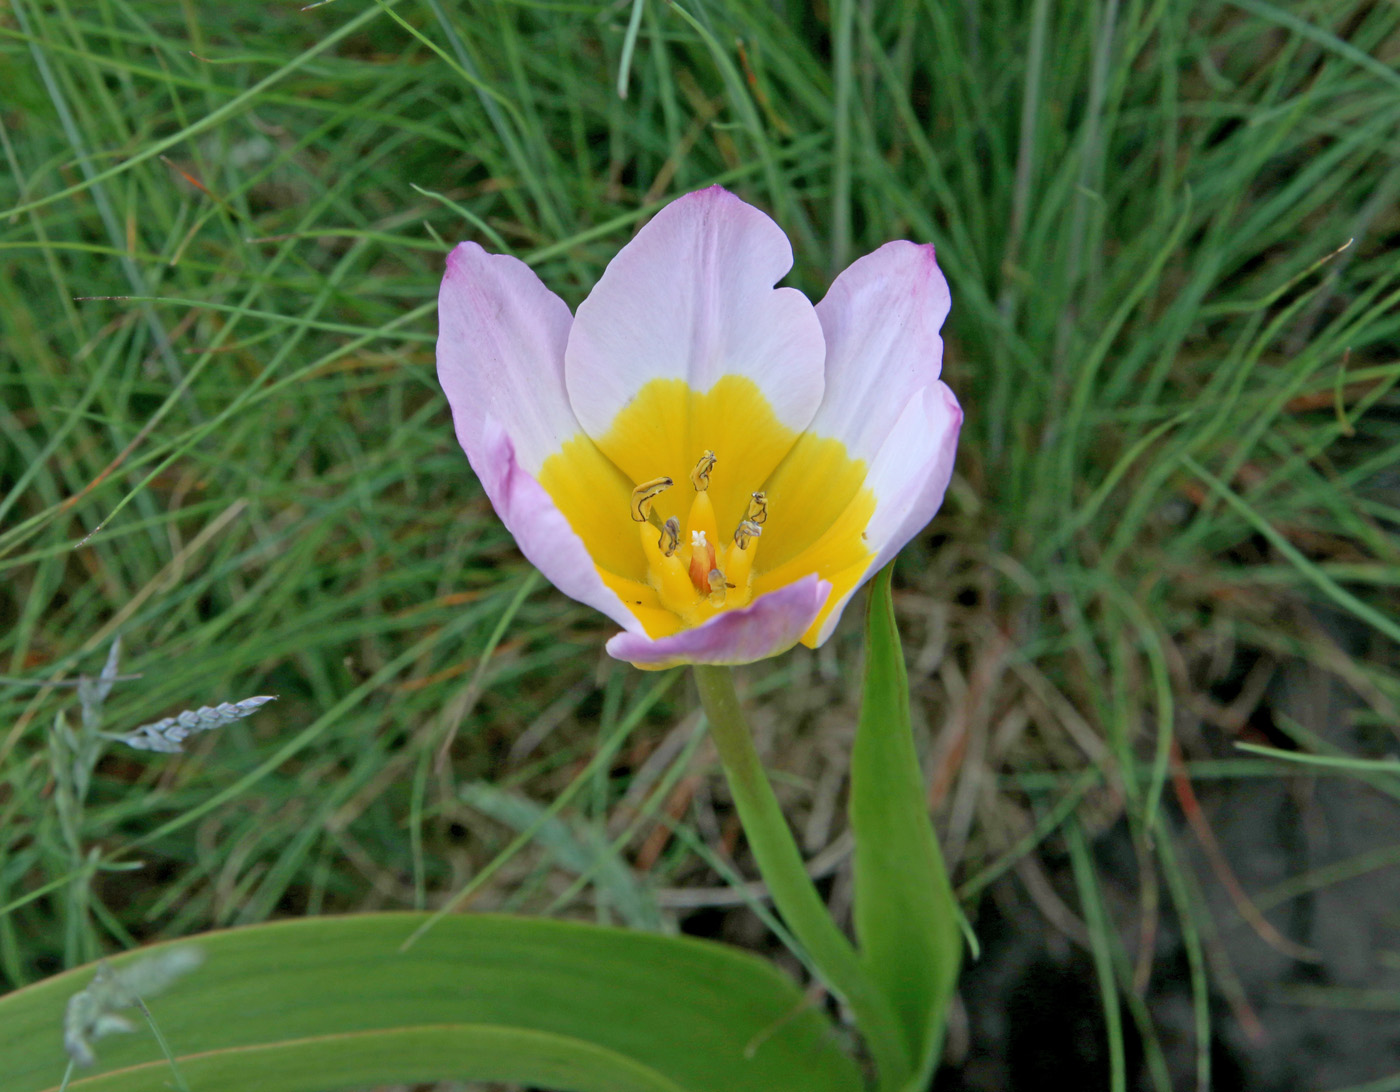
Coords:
670,538
700,476
644,494
692,569
666,572
739,558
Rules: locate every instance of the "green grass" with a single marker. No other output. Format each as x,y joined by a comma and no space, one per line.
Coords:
1179,397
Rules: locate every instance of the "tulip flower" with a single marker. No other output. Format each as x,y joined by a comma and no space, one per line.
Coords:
712,462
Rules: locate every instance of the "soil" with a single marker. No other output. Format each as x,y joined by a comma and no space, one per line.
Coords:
1031,1016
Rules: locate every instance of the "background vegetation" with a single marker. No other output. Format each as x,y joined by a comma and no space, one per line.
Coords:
1169,230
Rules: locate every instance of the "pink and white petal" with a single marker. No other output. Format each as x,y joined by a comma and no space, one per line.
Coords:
771,624
909,477
540,529
691,297
500,354
881,319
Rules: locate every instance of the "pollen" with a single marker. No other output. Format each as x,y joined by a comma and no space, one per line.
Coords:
700,476
644,494
670,539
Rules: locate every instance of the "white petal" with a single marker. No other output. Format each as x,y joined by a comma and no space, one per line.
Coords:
881,319
500,354
909,476
691,297
540,529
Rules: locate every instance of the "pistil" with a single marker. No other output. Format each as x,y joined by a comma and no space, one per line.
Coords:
702,562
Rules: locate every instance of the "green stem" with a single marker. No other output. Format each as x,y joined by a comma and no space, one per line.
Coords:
781,865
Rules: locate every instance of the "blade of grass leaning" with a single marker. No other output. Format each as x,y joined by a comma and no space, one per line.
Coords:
905,912
1336,762
1100,943
639,1010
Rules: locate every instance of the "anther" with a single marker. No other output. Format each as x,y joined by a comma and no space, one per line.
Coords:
700,476
670,539
758,509
717,587
644,494
746,530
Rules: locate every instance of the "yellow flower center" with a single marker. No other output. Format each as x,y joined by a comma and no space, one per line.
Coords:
696,502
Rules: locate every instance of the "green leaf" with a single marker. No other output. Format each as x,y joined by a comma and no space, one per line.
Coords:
396,1056
905,914
323,1003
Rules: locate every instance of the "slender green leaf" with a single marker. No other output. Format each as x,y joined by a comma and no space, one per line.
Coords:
320,1003
1101,945
1339,762
395,1056
906,916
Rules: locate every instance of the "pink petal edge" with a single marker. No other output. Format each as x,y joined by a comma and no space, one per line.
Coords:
500,353
692,297
910,475
771,624
881,319
540,529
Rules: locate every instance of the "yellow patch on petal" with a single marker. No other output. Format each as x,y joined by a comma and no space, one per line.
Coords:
810,491
823,489
667,426
641,600
594,496
818,503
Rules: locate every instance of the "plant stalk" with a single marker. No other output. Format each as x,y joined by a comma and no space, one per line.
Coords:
782,868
